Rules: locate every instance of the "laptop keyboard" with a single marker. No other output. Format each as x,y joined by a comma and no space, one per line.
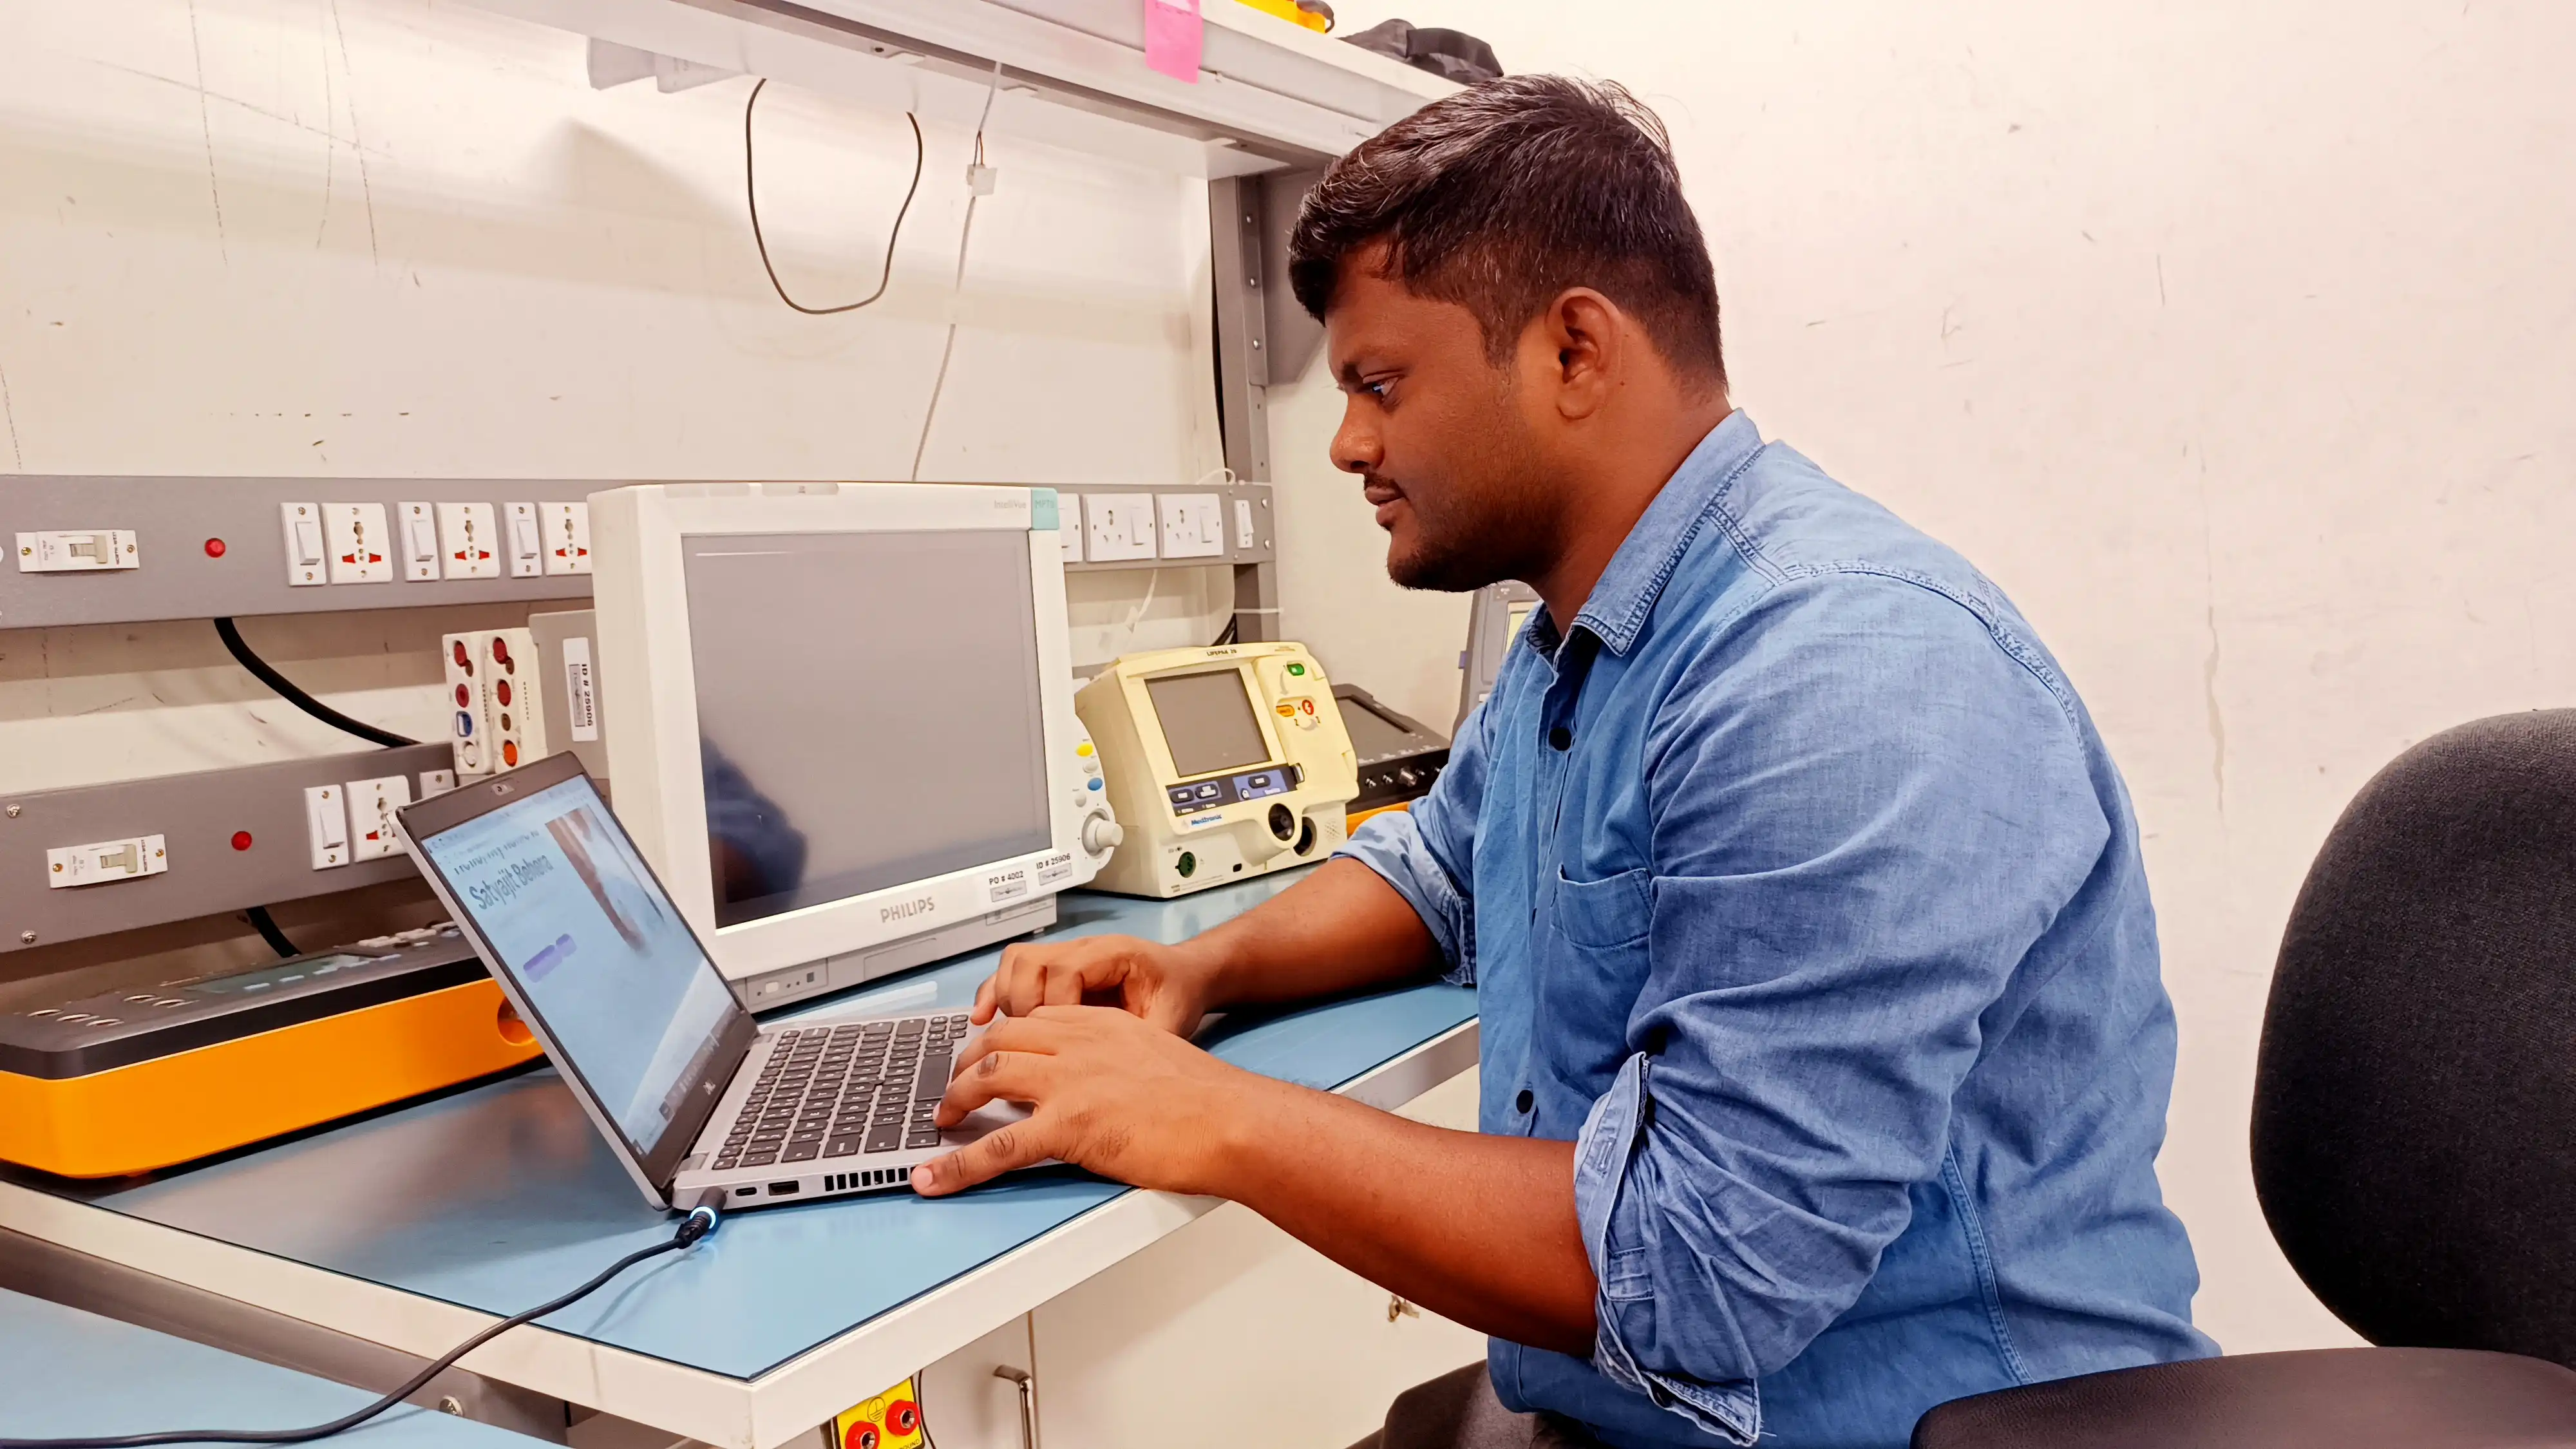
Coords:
846,1091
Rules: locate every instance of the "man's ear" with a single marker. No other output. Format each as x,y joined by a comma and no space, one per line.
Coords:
1584,337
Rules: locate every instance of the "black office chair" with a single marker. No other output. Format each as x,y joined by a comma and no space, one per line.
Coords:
2414,1135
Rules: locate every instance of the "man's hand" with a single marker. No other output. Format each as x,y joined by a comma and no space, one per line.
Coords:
1165,985
1110,1092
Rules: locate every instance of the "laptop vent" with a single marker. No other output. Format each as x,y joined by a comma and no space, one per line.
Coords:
852,1181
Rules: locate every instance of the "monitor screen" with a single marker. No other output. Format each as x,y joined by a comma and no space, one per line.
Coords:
1208,721
1373,735
869,711
556,891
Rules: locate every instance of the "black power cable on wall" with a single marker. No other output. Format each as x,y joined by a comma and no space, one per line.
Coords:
287,690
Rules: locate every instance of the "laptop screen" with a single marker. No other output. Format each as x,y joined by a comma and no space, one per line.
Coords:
632,1007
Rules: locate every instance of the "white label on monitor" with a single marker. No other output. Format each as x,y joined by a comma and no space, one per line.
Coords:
1007,885
581,696
1054,868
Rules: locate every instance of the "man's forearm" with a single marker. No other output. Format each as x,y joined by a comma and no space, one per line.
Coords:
1479,1229
1342,928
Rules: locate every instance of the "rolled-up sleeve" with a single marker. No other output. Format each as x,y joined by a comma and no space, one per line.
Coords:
1427,852
1865,809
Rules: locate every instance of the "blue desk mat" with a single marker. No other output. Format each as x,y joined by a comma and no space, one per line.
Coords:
73,1374
502,1195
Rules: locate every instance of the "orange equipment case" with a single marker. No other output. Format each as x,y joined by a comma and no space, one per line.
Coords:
105,1084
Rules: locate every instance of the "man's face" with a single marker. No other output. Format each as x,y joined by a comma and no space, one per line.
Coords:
1442,438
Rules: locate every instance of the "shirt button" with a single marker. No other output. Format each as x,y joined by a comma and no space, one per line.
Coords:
1561,737
1524,1101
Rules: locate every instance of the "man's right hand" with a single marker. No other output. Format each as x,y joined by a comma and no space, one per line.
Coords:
1168,986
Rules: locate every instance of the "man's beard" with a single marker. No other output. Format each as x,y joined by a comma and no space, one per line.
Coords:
1454,554
1508,530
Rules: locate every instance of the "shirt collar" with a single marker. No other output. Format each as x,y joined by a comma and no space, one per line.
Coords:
1635,579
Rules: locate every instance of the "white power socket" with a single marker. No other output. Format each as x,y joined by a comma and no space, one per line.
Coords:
1118,526
469,542
567,541
360,545
1193,525
372,804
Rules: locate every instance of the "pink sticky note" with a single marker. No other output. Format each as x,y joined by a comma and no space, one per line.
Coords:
1174,36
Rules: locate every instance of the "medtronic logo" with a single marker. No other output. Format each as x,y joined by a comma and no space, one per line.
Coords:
917,906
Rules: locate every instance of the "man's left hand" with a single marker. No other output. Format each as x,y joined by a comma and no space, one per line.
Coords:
1108,1092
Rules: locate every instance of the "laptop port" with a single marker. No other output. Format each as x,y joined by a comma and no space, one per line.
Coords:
782,1189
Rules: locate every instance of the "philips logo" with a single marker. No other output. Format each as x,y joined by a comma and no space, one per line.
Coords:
905,910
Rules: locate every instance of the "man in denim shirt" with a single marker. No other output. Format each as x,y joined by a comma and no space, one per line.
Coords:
1825,1058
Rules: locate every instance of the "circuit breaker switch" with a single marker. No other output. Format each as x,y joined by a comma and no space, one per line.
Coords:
106,860
76,550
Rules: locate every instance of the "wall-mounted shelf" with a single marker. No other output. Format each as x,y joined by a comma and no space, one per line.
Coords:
1269,95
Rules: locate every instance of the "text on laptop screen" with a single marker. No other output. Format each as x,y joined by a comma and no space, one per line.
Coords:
868,711
601,955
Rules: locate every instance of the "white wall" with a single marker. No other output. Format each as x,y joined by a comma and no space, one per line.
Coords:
2231,340
397,238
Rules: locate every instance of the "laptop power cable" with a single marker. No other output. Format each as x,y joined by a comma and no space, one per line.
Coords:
698,1224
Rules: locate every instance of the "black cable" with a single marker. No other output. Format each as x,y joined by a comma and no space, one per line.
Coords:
269,932
751,195
286,689
923,1413
698,1224
1228,634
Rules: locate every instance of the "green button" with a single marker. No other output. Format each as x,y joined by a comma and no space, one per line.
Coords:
1188,865
1296,668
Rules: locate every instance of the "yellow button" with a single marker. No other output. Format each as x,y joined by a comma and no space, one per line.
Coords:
1083,749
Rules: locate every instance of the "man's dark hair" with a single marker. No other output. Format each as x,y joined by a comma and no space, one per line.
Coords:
1503,196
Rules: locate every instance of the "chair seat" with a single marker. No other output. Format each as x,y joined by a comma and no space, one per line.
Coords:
2337,1398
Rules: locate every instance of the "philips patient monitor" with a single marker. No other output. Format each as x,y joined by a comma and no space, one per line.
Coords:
843,725
1224,763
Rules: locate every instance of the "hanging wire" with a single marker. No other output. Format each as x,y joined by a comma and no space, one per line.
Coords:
751,195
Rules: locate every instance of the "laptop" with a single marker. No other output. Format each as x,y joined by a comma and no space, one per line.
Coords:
701,1103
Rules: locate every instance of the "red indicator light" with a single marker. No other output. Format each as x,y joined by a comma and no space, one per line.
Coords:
241,840
214,548
500,652
502,691
464,661
464,700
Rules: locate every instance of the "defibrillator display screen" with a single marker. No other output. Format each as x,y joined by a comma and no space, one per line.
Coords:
1208,721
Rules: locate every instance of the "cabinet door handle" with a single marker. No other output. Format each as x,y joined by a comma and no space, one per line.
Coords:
1020,1379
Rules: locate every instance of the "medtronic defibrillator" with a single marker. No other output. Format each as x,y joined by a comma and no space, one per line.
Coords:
1222,763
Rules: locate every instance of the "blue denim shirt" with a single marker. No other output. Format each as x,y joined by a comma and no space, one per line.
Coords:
1799,892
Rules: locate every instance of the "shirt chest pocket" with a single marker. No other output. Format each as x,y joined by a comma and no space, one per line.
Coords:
1607,914
1590,966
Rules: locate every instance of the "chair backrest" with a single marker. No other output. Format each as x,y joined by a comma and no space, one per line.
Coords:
2414,1127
